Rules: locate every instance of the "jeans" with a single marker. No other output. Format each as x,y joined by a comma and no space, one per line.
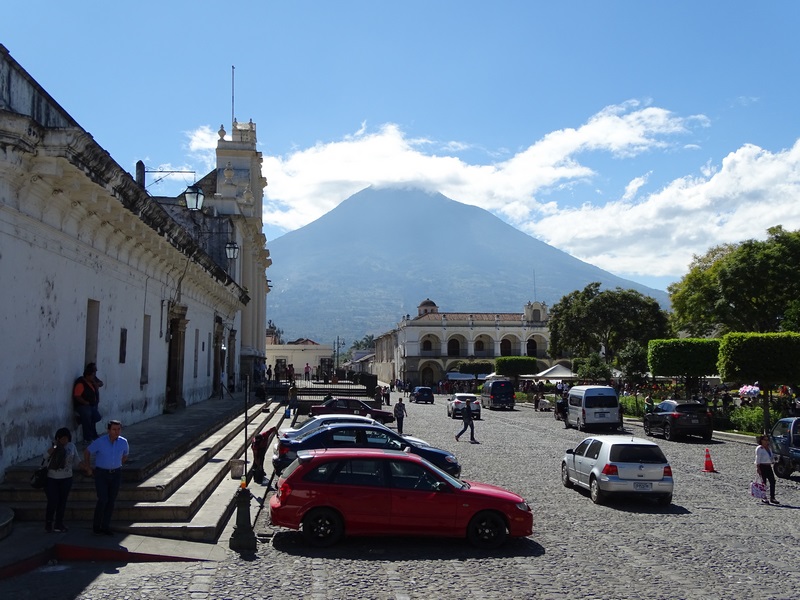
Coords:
86,414
400,424
468,425
57,491
106,484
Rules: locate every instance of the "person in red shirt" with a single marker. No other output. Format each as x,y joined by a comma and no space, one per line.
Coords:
86,398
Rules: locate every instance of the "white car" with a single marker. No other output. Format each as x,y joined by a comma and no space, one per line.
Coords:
322,420
456,402
612,464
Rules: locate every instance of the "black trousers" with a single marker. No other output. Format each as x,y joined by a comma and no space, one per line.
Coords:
766,473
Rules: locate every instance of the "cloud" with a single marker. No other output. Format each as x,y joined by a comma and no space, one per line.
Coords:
548,188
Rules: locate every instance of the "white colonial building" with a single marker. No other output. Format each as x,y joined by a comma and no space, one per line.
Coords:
95,269
423,348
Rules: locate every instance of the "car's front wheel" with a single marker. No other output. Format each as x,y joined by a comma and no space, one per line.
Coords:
487,530
322,527
598,496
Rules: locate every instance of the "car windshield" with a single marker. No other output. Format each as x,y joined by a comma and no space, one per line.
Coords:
636,453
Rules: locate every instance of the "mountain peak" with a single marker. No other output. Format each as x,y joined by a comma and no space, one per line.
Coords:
362,266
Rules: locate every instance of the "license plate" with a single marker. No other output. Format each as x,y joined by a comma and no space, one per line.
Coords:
640,486
603,415
695,421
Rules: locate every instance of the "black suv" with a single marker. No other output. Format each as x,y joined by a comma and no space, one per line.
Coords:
422,394
675,418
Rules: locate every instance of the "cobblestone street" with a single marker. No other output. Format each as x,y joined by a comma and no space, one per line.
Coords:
714,541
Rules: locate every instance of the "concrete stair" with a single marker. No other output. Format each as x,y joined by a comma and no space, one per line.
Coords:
183,494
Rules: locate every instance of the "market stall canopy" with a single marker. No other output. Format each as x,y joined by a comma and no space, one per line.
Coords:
556,372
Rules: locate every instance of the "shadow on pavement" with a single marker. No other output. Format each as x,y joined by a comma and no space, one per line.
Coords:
403,548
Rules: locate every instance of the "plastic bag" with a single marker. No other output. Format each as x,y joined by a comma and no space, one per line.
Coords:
758,490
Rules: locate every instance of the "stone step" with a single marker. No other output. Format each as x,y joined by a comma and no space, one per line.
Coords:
194,483
16,489
210,517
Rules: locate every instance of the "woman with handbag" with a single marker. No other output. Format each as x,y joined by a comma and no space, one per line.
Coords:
63,457
764,460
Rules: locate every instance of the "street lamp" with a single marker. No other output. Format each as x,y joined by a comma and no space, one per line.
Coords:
232,250
194,197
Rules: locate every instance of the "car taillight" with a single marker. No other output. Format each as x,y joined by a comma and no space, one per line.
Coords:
610,470
283,450
667,471
675,415
284,490
709,414
513,395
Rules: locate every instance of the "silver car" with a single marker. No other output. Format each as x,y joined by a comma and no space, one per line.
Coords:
610,464
456,402
322,420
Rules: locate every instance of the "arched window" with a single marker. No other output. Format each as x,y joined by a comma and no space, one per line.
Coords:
530,348
453,348
505,348
479,346
427,346
537,315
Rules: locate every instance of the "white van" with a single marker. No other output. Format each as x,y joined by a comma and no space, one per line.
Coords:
593,406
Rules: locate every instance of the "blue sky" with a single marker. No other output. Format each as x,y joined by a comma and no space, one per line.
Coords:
632,135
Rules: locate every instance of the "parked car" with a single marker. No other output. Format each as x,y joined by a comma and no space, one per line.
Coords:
351,406
607,465
312,423
498,393
382,492
785,442
421,394
456,403
676,418
357,435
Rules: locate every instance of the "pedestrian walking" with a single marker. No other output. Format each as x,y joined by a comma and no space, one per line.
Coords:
62,456
764,460
466,417
110,452
400,414
294,403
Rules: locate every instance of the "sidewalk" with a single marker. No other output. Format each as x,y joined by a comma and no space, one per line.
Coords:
28,546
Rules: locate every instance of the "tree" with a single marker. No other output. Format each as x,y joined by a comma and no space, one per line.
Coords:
595,369
632,360
769,358
585,322
365,343
514,366
748,287
476,367
686,357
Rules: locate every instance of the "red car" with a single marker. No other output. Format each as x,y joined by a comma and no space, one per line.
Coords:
335,492
351,406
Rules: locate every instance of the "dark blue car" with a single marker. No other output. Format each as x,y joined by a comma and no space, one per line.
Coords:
355,435
422,394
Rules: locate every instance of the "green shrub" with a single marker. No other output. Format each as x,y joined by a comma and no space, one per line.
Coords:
632,406
747,418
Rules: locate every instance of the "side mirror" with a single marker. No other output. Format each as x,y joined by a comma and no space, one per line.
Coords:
570,451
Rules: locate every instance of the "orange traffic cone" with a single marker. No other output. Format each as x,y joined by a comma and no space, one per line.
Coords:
709,466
